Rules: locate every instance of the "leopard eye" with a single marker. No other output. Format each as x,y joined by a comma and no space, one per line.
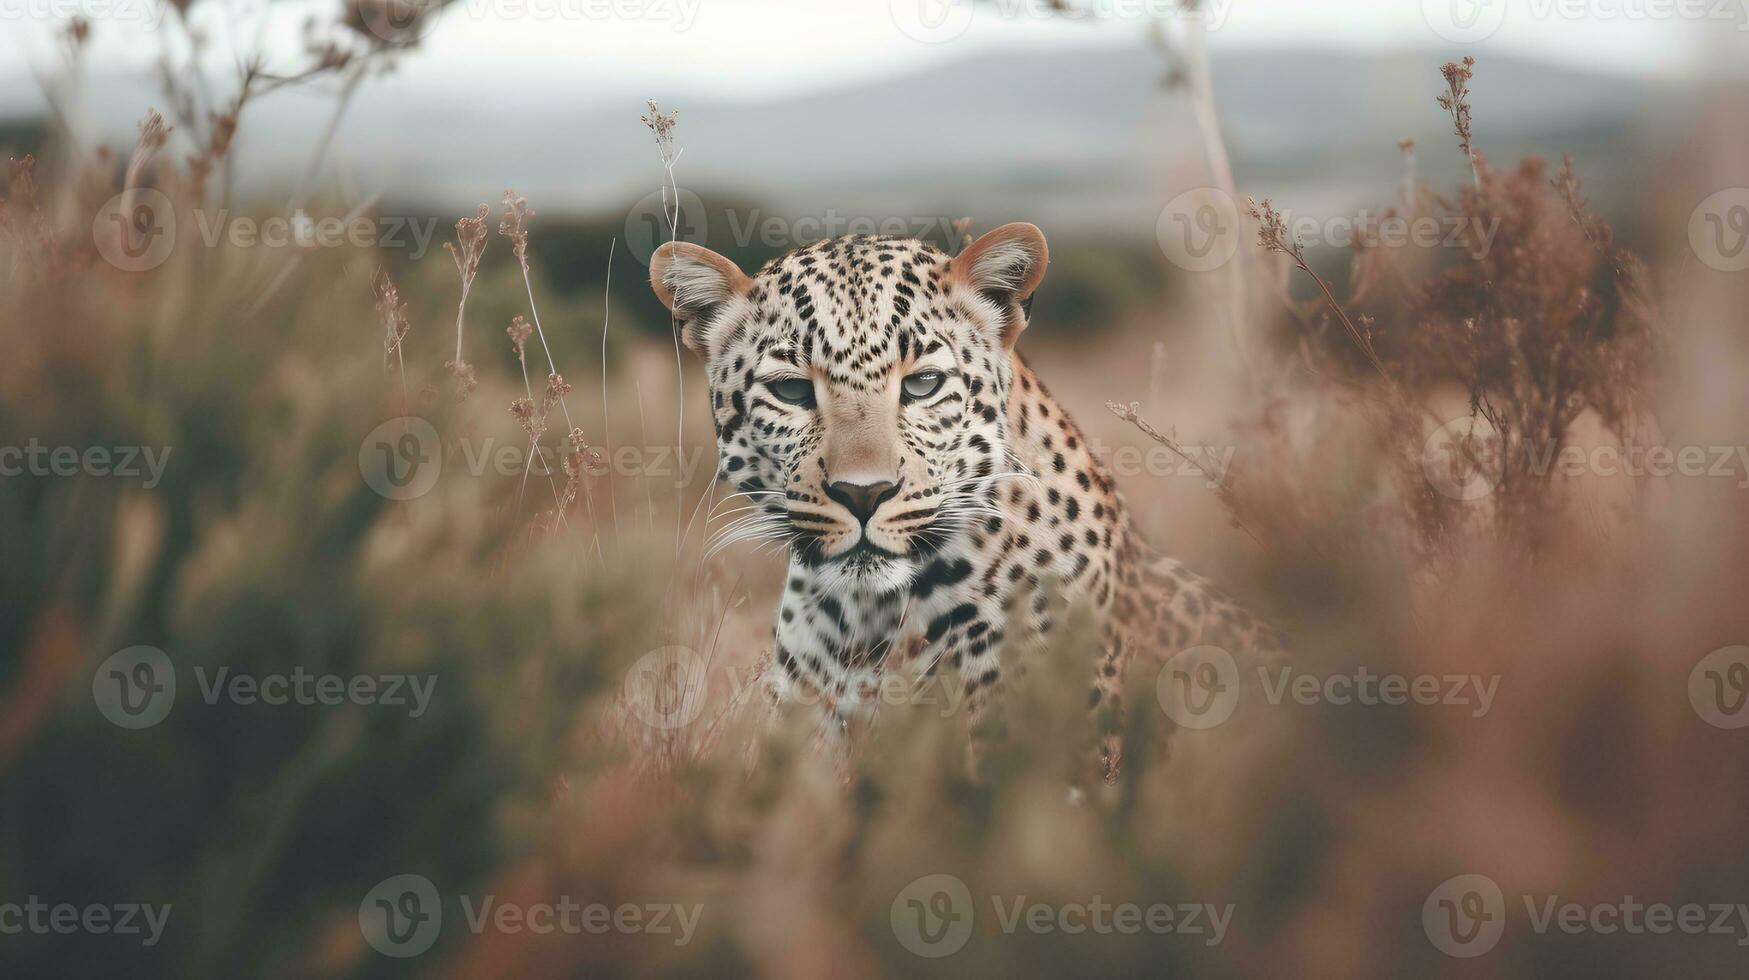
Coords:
795,391
923,384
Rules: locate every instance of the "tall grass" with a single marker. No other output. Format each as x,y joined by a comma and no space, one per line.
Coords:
535,774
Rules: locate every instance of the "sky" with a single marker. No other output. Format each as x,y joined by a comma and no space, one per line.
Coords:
753,49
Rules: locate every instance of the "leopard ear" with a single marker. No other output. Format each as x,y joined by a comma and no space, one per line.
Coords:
1005,267
695,283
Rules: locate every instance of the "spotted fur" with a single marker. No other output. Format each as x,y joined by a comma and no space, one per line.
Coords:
992,498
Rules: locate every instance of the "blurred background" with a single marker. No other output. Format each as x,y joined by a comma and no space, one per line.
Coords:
295,391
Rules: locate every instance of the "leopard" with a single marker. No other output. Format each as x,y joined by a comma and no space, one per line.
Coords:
935,504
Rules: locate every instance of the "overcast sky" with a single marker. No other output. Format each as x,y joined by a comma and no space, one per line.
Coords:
751,48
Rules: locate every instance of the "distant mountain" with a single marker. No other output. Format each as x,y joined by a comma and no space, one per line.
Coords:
1084,137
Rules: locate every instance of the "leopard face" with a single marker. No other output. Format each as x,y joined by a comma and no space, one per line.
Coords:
858,388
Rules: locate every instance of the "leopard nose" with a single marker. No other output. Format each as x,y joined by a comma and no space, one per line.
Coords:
861,499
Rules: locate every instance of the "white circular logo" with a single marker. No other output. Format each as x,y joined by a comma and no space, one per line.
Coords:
135,231
1464,459
398,23
1465,916
1464,21
1199,230
1718,687
1718,230
663,216
932,916
402,458
932,21
666,687
1199,687
136,687
402,916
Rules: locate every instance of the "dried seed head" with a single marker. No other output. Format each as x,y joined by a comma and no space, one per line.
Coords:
532,422
1457,99
519,331
465,381
393,314
469,246
514,225
557,389
660,123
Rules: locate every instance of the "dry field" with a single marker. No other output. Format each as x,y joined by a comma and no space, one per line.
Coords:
492,502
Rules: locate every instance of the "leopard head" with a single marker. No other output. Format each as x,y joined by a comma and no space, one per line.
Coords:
859,388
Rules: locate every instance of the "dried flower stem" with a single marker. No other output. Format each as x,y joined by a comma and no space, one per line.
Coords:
606,430
393,314
1132,413
1273,235
514,226
662,126
1457,102
523,409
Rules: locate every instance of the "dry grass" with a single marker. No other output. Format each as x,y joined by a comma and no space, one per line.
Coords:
535,775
